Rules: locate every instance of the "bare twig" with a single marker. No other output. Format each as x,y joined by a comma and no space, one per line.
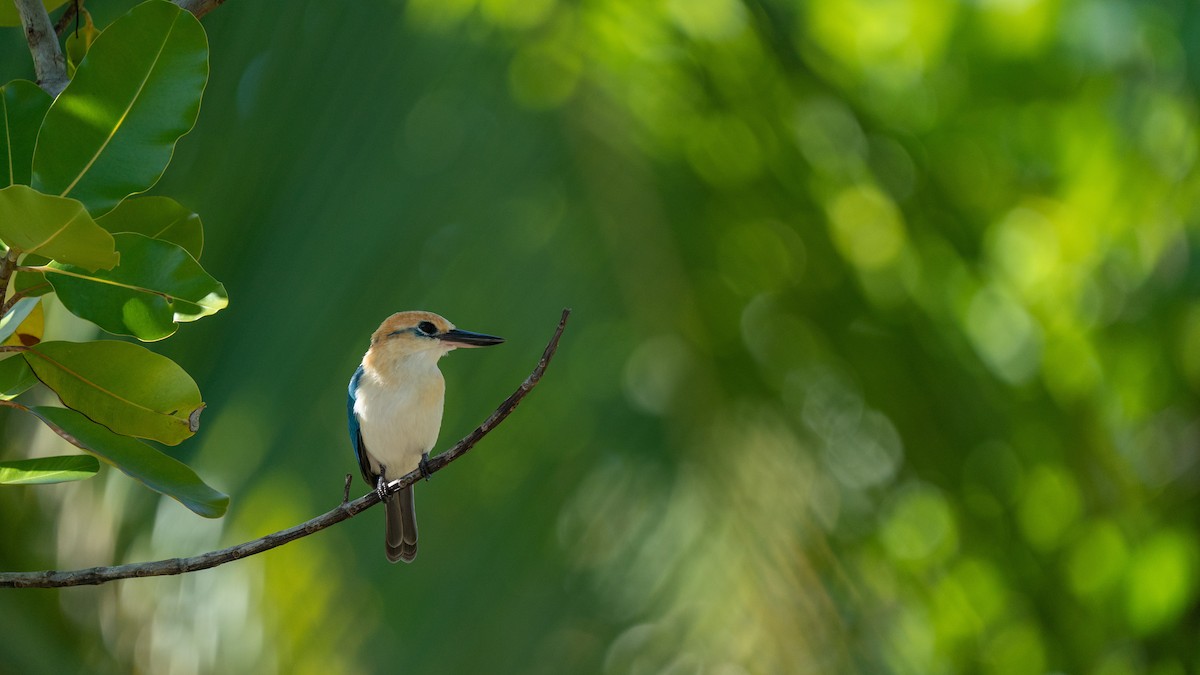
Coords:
48,61
199,7
69,13
345,510
7,264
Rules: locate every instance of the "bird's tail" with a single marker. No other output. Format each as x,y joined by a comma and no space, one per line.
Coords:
401,517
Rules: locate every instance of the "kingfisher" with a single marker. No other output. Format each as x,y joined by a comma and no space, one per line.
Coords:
395,411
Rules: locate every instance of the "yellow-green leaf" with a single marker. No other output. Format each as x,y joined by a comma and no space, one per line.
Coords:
141,462
45,470
123,386
54,227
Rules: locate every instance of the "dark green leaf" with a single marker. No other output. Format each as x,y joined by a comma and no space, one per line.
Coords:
45,470
111,132
15,377
123,386
158,218
54,227
23,105
152,468
156,285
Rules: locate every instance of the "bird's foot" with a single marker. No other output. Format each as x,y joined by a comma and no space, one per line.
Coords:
424,466
381,486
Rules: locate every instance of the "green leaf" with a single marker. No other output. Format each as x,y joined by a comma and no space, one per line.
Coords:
111,132
15,378
141,462
79,42
55,227
10,17
45,470
158,218
123,386
156,285
23,105
31,284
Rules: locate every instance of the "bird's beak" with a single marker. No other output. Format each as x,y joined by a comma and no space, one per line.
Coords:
465,338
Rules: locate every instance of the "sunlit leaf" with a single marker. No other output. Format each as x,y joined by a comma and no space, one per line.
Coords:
156,285
10,17
23,105
158,218
123,386
111,132
45,470
152,468
16,377
54,227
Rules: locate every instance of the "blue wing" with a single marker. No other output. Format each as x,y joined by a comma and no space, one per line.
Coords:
356,439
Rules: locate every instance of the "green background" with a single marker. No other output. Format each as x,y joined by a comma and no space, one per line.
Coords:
885,354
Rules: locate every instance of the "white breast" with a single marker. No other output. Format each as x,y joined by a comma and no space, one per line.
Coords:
400,414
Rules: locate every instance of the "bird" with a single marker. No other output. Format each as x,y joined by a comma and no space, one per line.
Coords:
395,411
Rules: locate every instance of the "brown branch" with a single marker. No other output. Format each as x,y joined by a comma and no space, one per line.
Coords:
69,13
345,510
199,7
48,61
8,264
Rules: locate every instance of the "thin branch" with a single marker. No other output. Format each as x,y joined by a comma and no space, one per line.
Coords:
69,13
48,61
7,265
345,510
199,7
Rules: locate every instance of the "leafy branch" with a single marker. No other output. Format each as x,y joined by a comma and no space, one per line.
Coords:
344,511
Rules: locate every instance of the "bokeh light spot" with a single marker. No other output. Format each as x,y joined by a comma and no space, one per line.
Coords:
1004,334
1096,559
544,75
918,525
1050,506
1161,581
866,226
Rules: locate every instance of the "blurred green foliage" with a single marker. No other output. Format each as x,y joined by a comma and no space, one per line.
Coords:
885,354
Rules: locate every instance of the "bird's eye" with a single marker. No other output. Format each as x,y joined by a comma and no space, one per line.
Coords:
427,327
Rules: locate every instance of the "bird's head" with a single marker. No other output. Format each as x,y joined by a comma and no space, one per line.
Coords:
406,333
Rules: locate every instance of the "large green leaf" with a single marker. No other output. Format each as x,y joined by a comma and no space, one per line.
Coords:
123,386
155,470
158,218
10,17
55,227
15,377
111,132
23,105
156,285
44,470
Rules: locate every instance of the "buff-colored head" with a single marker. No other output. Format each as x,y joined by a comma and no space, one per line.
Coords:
407,333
